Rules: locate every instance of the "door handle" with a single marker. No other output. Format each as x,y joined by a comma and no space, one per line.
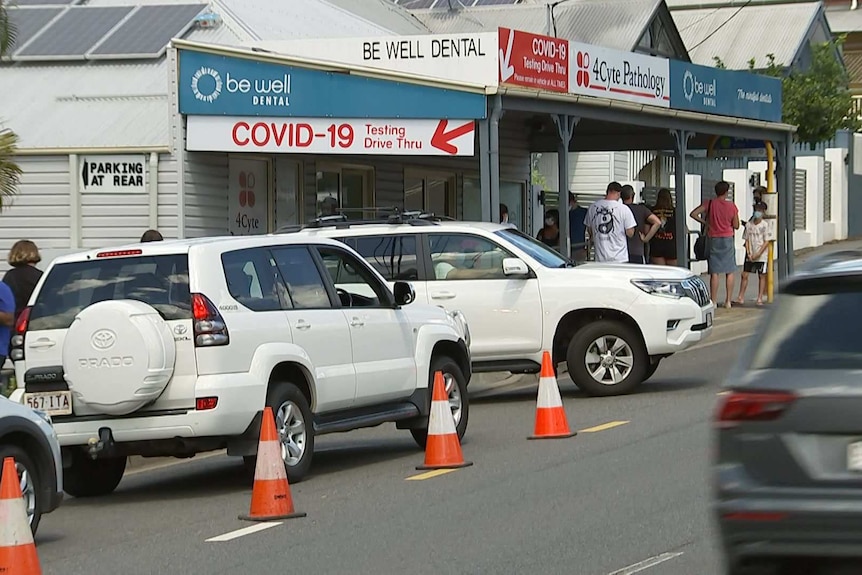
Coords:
42,343
443,295
303,325
356,322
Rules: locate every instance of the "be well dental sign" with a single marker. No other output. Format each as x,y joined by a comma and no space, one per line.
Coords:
724,92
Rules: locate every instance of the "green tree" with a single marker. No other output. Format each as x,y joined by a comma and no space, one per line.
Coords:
537,178
818,99
10,172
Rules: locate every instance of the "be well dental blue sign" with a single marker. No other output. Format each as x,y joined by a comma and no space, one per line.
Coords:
214,85
724,92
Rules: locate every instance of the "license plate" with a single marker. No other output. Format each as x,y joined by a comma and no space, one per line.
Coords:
854,456
51,402
709,320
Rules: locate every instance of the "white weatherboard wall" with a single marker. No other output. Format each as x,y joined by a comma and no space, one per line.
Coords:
589,172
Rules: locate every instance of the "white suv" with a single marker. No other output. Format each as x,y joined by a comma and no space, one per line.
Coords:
173,348
611,323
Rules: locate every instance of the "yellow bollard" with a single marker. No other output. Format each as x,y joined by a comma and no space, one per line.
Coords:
770,276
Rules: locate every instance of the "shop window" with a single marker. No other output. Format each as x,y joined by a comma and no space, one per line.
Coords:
513,194
288,192
429,191
347,190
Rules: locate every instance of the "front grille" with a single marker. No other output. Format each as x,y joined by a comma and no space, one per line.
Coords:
696,289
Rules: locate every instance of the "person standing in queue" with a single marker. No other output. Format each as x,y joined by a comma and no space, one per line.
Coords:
24,275
720,217
151,236
662,247
577,229
550,233
643,217
611,223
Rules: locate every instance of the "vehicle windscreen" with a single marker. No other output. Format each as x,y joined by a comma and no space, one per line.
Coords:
815,325
543,254
160,281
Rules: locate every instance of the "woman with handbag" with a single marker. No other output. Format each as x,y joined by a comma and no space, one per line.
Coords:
720,217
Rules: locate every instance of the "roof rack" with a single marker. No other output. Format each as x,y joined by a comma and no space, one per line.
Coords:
396,216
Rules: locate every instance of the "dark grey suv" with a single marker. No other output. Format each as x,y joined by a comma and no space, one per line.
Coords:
788,468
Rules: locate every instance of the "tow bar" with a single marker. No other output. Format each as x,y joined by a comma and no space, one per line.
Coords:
105,441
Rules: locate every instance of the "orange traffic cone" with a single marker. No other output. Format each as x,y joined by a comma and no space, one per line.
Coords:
551,420
270,497
442,449
17,551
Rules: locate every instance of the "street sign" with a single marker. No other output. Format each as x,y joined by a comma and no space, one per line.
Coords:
469,58
617,75
724,92
331,136
534,61
211,84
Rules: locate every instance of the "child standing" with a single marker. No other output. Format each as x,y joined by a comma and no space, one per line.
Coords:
757,236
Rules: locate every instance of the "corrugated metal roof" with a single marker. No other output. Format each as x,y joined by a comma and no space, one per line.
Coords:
384,13
616,24
737,34
125,104
844,20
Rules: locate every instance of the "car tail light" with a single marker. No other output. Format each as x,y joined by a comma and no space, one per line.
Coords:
759,516
206,403
16,345
753,406
209,327
119,253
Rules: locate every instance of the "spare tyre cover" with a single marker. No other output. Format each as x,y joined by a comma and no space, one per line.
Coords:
118,356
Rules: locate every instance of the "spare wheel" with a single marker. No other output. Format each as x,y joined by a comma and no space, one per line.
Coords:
118,356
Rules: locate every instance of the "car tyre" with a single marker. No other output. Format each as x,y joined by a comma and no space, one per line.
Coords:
457,387
87,477
32,491
295,428
651,369
614,352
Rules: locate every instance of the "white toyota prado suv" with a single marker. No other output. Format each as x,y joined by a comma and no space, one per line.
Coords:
173,348
611,323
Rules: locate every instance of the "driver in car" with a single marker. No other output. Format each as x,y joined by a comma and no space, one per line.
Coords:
467,261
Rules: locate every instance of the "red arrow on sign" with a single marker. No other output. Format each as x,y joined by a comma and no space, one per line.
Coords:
442,139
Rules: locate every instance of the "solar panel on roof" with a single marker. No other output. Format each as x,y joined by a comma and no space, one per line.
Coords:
494,2
417,4
75,32
149,30
42,2
28,21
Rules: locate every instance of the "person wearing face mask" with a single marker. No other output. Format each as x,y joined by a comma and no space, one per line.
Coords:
757,235
550,234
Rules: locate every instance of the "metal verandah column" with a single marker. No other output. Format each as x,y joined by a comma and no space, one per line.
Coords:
681,138
565,127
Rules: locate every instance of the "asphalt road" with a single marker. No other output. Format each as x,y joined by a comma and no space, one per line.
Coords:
629,494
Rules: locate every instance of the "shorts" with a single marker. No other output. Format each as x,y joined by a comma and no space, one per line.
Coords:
751,267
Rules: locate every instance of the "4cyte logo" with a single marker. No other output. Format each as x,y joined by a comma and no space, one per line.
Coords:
583,76
246,189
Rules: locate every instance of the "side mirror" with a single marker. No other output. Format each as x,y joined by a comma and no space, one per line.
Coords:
404,293
515,267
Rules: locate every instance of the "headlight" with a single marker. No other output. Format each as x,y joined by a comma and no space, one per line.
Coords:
665,288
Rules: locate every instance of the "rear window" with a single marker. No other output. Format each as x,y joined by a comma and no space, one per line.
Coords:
160,281
815,325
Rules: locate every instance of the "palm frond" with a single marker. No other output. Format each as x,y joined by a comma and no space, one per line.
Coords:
10,172
7,30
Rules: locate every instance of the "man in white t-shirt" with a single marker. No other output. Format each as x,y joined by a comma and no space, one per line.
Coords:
610,223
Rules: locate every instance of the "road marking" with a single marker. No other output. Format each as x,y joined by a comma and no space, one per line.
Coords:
646,563
430,474
244,531
716,342
604,426
199,457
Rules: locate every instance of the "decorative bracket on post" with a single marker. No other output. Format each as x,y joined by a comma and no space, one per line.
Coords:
565,129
